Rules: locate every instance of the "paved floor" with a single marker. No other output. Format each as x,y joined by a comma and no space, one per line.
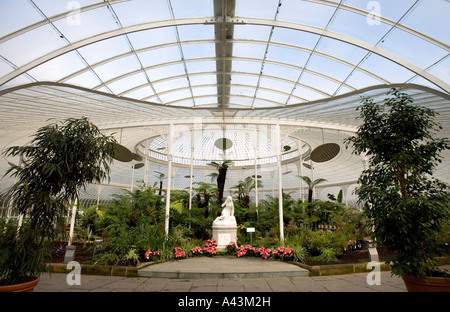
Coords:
357,282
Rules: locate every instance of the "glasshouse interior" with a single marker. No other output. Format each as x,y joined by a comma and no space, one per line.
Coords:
204,99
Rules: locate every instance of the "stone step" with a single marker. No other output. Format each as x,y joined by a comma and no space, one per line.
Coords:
222,267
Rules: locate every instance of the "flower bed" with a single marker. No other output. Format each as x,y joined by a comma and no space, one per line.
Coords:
280,252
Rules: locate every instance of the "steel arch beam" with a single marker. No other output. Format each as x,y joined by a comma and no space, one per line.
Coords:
252,21
279,44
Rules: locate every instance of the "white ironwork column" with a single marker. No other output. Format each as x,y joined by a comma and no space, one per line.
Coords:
169,177
277,142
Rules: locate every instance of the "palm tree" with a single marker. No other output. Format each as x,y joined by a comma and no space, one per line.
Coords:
222,168
311,184
204,189
244,189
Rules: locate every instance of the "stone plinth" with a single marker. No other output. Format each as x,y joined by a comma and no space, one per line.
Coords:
223,235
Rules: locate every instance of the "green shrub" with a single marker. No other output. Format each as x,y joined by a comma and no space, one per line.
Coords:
328,255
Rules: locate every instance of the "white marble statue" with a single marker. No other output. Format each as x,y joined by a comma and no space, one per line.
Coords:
227,216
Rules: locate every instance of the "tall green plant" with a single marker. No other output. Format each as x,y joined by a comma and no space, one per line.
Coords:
311,184
398,190
244,188
222,169
61,159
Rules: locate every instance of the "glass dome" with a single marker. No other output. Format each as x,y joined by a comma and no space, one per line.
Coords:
136,67
242,144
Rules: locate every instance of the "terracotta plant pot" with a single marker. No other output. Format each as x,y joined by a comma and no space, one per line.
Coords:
426,284
22,287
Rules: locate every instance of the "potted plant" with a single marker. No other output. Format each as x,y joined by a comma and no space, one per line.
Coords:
60,160
405,203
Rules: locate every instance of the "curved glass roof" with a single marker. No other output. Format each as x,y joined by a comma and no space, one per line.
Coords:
231,54
131,64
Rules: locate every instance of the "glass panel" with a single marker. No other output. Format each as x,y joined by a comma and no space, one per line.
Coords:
356,26
23,79
249,50
127,83
202,80
329,67
421,81
87,79
343,90
360,80
276,84
244,79
32,45
192,8
200,91
387,8
152,37
295,37
286,55
281,71
386,69
92,22
58,68
199,50
306,13
170,85
240,101
412,49
165,72
260,103
15,15
118,67
318,82
105,49
246,66
252,32
140,93
256,8
442,70
176,95
52,8
432,20
159,56
306,93
141,11
272,96
242,91
4,68
341,50
200,66
195,32
206,101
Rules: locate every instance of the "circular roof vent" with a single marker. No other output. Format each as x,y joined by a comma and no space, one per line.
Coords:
325,152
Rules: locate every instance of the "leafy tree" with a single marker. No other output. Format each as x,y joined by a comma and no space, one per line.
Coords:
406,203
61,159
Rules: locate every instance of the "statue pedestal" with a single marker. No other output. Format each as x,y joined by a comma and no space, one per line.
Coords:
223,235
